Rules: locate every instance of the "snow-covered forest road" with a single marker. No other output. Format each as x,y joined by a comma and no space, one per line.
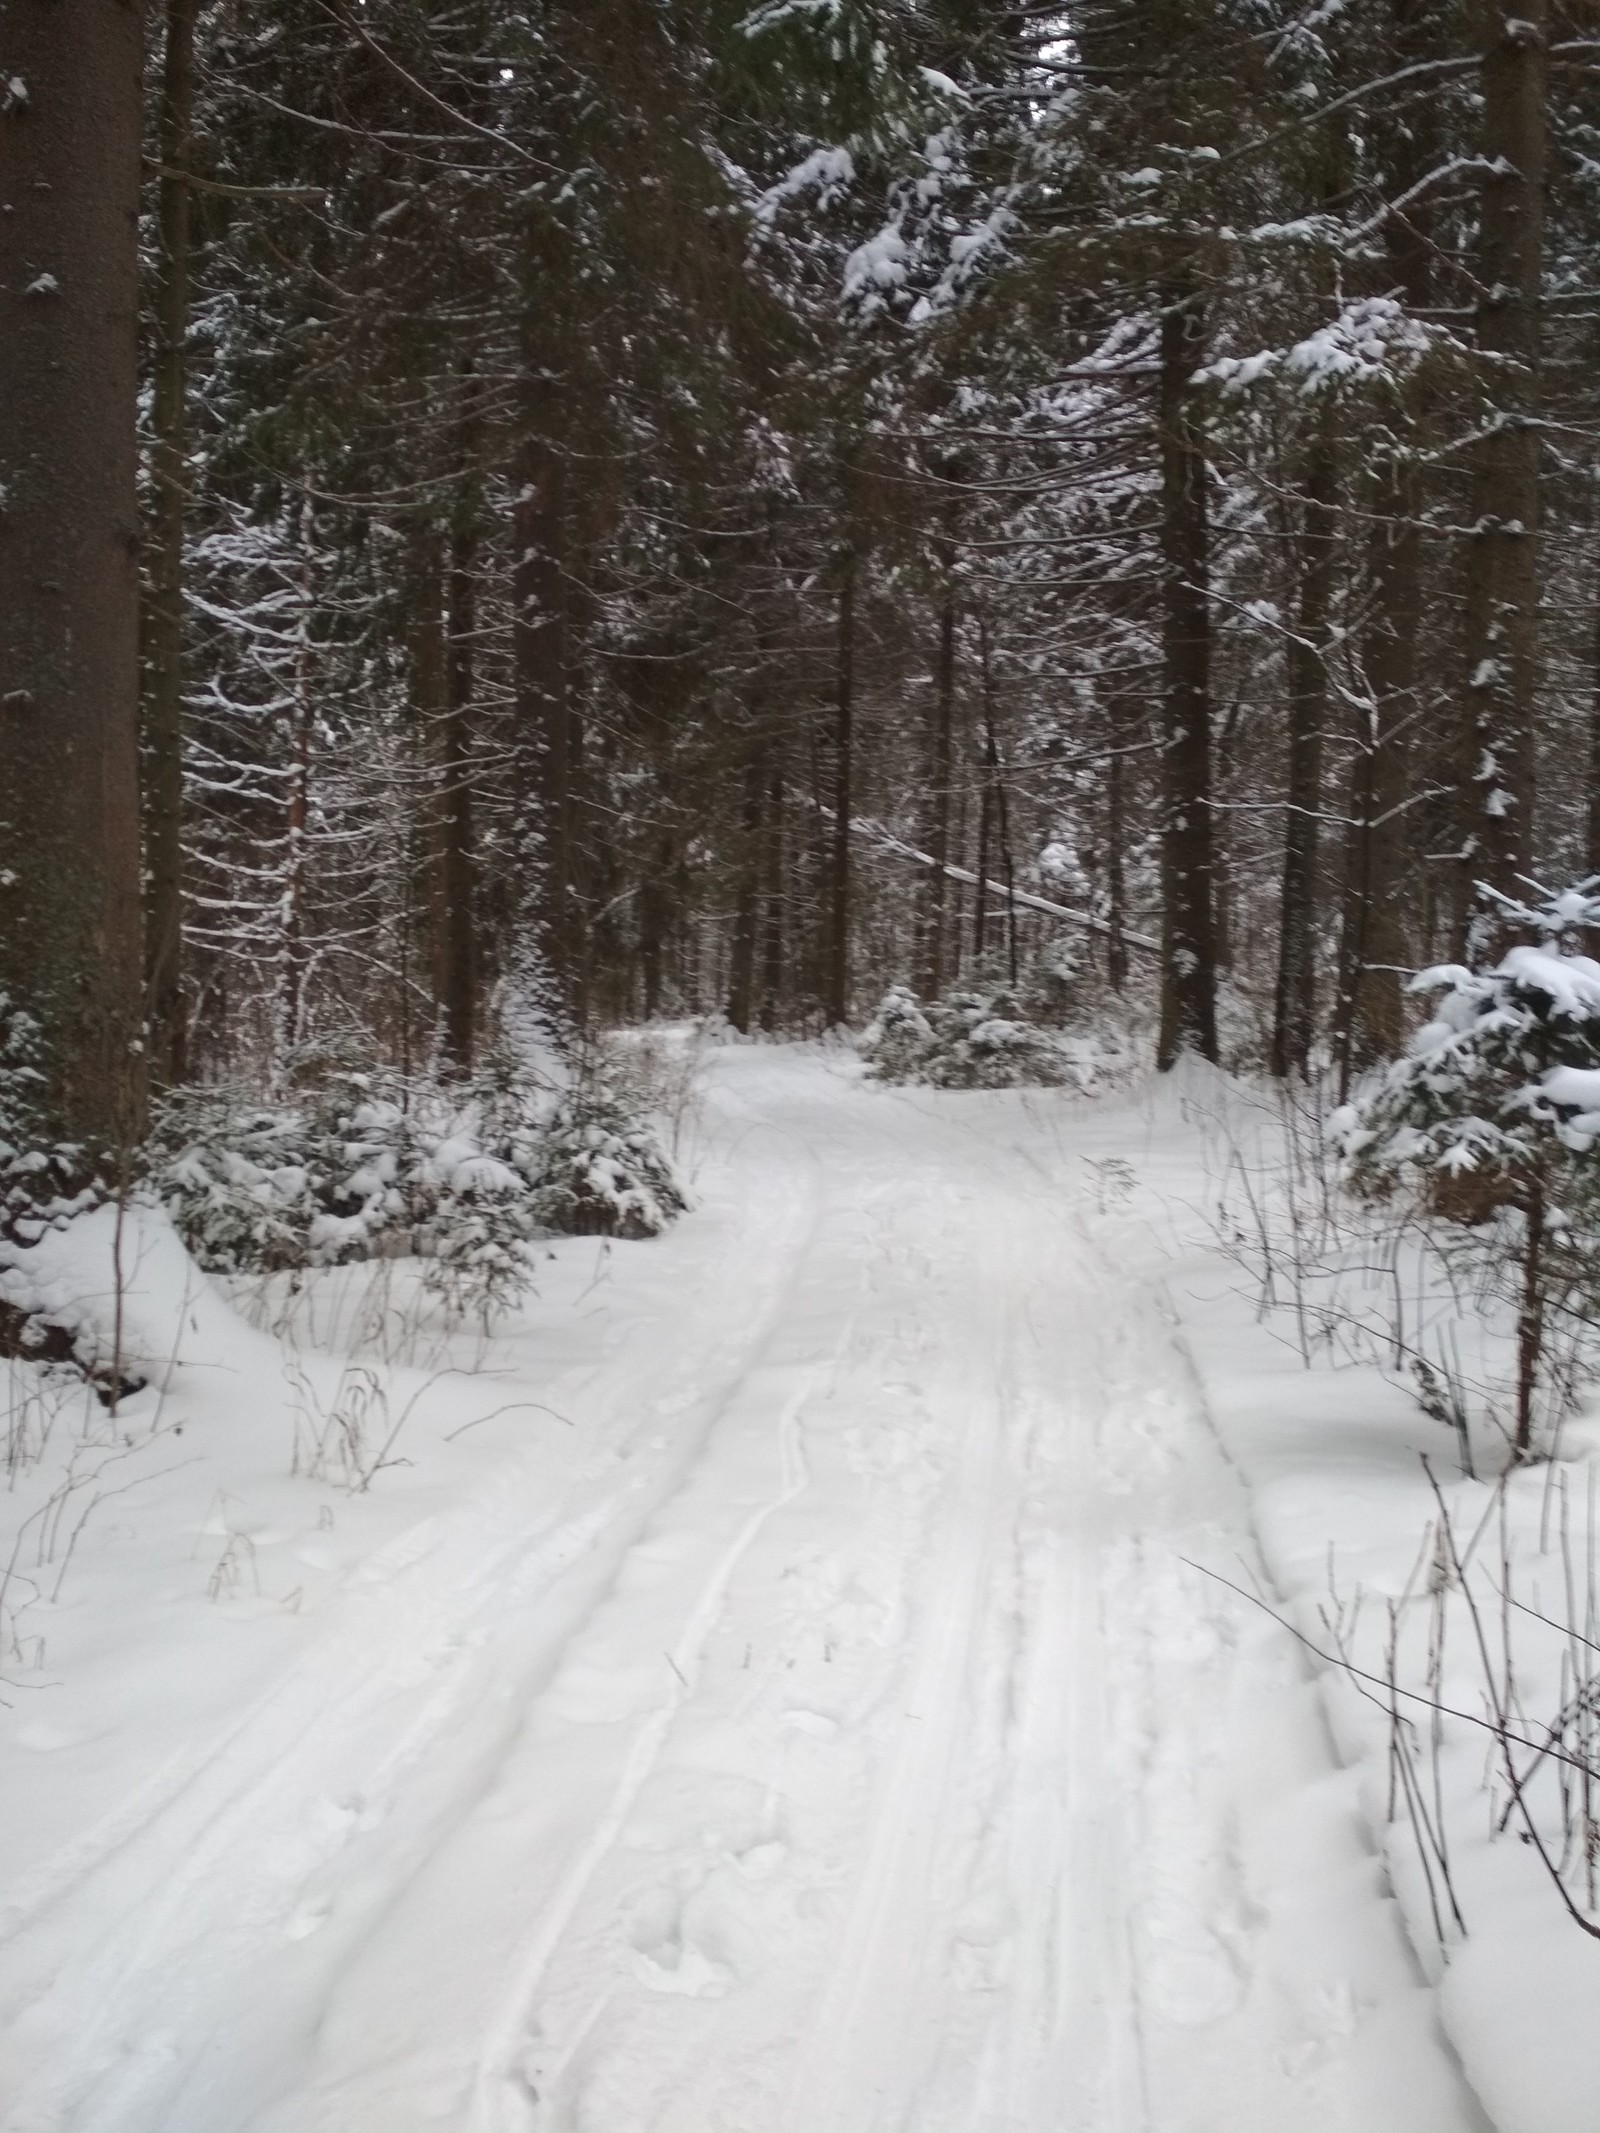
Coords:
813,1722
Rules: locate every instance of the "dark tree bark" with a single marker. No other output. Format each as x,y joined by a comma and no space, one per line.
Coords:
1116,842
70,939
427,688
1188,932
772,900
1530,1315
294,952
1502,617
655,918
1376,945
1592,821
543,709
994,787
837,1002
1295,1001
163,618
944,696
458,857
747,904
980,888
1225,749
1376,942
294,949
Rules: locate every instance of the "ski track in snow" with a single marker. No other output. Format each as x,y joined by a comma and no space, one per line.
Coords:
852,1750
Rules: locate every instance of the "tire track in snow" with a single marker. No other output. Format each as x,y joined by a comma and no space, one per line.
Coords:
494,2087
1066,2045
857,2064
503,2099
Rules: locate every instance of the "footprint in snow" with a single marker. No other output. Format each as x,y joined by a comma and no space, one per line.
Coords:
680,1967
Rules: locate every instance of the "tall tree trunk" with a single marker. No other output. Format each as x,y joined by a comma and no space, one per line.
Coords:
294,952
70,943
1375,946
772,901
958,901
428,700
458,858
994,786
543,711
655,908
747,904
980,888
1224,755
1530,1315
163,619
837,1004
1376,942
1502,618
1188,932
426,690
944,697
1592,822
1116,841
1295,1002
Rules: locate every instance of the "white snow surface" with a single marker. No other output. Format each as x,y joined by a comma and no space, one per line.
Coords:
779,1690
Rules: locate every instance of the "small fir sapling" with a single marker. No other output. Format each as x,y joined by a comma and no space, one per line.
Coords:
898,1038
40,1177
238,1178
375,1164
45,1183
977,1037
1492,1115
601,1171
479,1265
341,1173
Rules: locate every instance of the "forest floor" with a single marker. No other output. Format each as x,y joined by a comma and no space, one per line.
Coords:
782,1689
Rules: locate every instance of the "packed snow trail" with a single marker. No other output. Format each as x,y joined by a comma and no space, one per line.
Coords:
843,1743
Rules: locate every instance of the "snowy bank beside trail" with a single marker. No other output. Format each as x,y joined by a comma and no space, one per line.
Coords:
1348,1523
166,1559
1343,1507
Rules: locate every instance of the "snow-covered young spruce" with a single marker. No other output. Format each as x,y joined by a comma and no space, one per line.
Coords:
978,1038
379,1165
1491,1117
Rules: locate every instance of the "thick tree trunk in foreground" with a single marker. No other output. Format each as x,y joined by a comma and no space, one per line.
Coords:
1377,942
1188,931
70,945
1502,619
1377,945
163,609
837,1003
1295,1004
